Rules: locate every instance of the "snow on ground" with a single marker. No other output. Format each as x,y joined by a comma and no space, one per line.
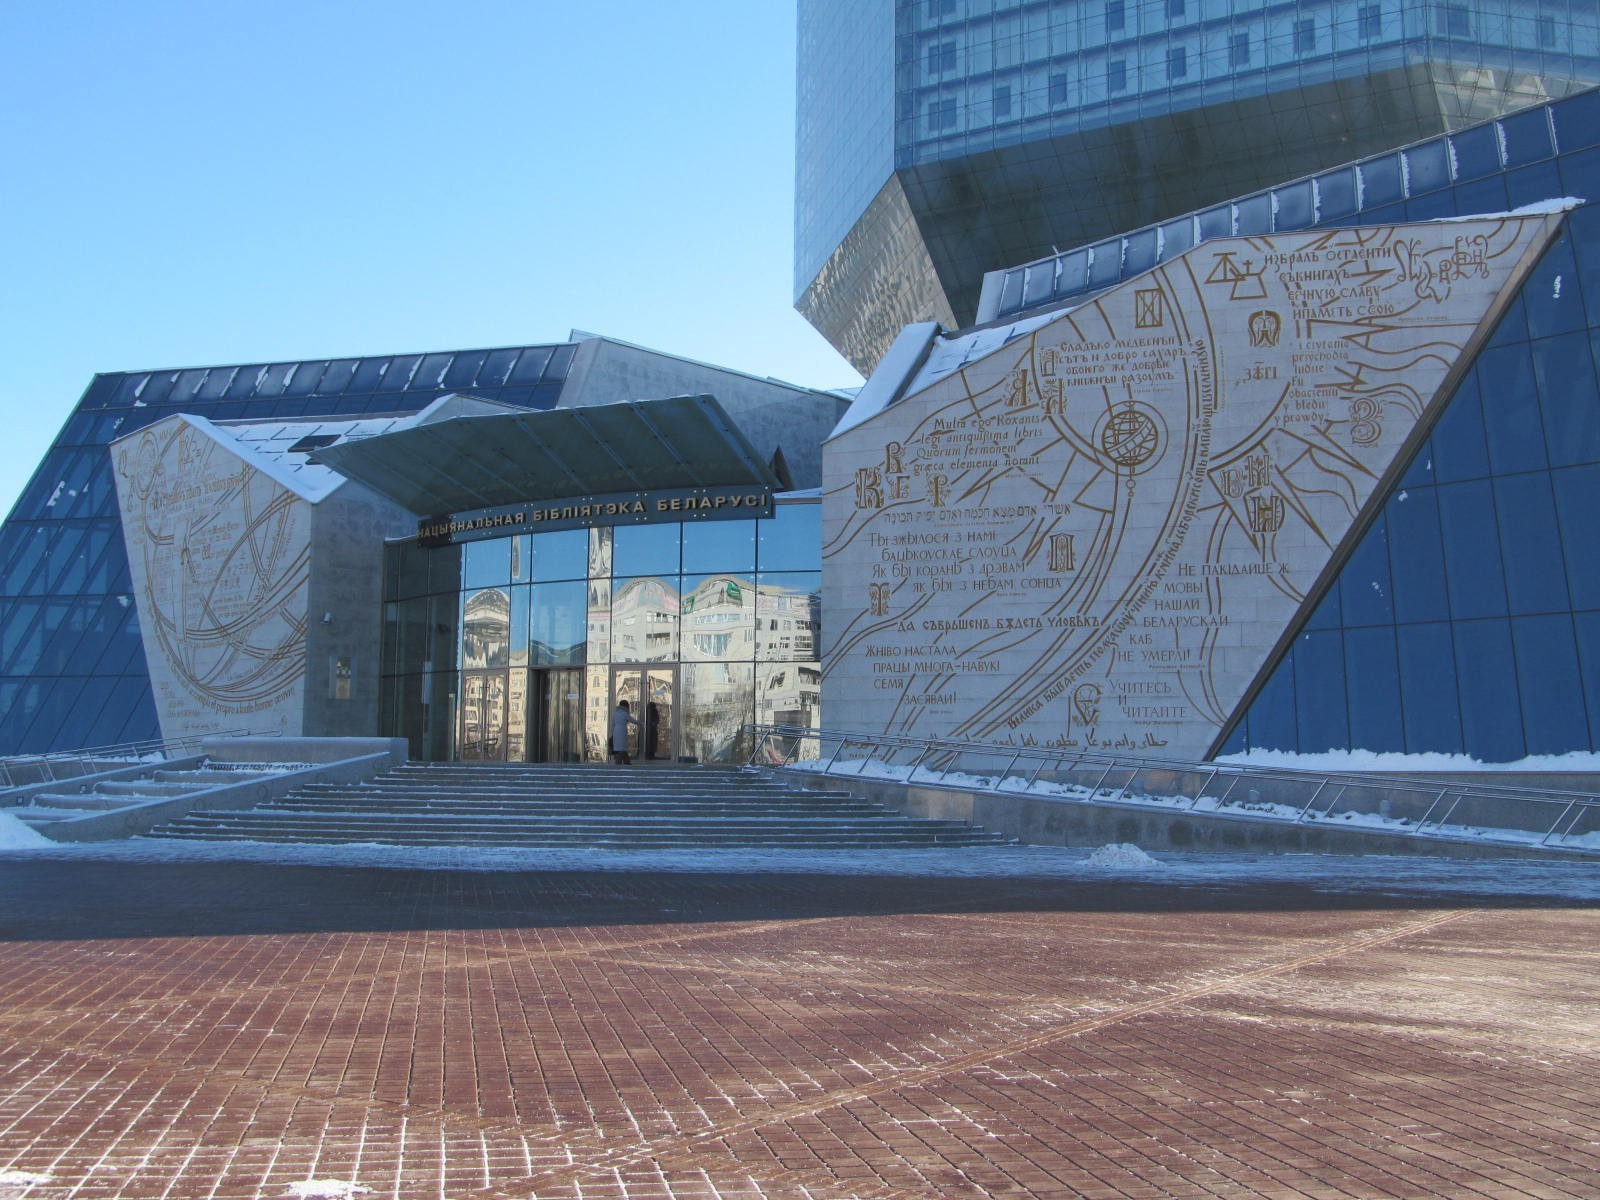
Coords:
15,835
1330,873
1388,763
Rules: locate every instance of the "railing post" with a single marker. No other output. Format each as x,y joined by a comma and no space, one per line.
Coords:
1443,792
829,768
1301,815
1194,801
1007,771
917,764
1545,840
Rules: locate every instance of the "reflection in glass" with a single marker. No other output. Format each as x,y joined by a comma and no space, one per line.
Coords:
600,553
717,700
788,616
596,713
644,620
790,693
486,628
560,555
516,732
718,619
719,546
645,549
560,623
486,564
792,539
519,626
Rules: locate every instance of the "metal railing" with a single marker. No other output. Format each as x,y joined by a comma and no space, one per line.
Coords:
1417,806
24,769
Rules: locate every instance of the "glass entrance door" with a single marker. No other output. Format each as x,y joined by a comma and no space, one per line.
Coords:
651,693
483,716
558,716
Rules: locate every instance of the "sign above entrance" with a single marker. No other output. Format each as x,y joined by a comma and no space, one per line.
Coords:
619,508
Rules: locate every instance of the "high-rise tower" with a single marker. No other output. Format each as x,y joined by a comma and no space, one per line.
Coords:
939,139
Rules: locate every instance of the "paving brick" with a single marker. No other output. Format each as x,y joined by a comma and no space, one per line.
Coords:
232,1030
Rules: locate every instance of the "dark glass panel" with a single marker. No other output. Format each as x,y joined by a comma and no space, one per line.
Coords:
1326,614
564,554
1527,137
1577,120
1577,494
1253,215
305,378
368,374
1431,207
1336,194
1416,556
1477,151
545,396
398,377
1216,222
337,377
1105,268
1381,181
159,388
1491,717
132,702
496,367
128,388
1585,229
1373,673
463,372
243,384
1529,185
1072,273
1480,196
1419,471
1176,237
1554,719
1471,550
1364,586
1272,714
217,382
1511,422
25,559
1553,293
183,391
522,397
645,550
1587,628
1427,167
1428,688
1569,398
560,362
1139,252
1320,716
102,390
1535,578
444,569
1038,284
530,366
1294,205
431,371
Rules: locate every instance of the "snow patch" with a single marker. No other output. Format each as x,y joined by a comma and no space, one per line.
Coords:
1123,856
327,1188
16,835
1341,761
22,1178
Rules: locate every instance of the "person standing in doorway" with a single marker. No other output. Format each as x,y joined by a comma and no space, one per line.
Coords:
621,718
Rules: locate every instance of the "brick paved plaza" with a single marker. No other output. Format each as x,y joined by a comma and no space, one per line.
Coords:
251,1029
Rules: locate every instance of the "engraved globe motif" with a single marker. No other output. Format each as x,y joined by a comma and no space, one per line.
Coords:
1131,437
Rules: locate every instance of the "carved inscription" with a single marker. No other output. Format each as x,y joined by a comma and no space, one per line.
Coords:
1093,536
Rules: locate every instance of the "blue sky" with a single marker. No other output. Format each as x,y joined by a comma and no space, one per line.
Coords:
200,182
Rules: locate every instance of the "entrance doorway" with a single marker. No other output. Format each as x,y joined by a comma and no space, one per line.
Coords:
482,736
651,693
556,718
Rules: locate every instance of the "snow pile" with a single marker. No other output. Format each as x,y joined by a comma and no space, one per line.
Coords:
14,835
1122,856
22,1178
333,1188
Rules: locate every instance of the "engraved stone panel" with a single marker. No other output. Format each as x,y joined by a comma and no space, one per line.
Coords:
1094,536
219,555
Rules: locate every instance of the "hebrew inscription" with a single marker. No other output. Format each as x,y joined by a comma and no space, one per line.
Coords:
1094,536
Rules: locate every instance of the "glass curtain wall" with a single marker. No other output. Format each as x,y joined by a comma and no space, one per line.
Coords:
518,648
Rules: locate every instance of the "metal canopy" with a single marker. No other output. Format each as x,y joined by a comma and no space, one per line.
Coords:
472,462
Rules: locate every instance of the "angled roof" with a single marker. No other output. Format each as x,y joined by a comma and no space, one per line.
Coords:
486,461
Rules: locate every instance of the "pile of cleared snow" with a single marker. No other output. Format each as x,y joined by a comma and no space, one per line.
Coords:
14,835
1390,762
327,1188
1121,856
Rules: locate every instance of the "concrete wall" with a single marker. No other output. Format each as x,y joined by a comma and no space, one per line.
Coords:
769,413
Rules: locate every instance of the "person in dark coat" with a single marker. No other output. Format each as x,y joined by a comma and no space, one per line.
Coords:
620,720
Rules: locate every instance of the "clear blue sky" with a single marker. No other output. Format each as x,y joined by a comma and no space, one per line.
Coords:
208,181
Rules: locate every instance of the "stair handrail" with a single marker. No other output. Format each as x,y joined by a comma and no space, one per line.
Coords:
47,767
1570,807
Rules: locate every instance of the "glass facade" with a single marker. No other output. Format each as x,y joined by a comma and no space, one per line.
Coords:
72,667
518,648
1024,125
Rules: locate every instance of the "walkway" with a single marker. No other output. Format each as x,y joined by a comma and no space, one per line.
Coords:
266,1029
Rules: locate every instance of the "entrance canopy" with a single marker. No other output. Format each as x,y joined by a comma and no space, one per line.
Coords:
472,462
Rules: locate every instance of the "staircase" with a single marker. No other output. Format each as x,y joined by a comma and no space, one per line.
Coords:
575,807
71,800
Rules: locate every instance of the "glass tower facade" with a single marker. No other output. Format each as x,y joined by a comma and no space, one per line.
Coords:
1466,618
72,666
517,648
1018,126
